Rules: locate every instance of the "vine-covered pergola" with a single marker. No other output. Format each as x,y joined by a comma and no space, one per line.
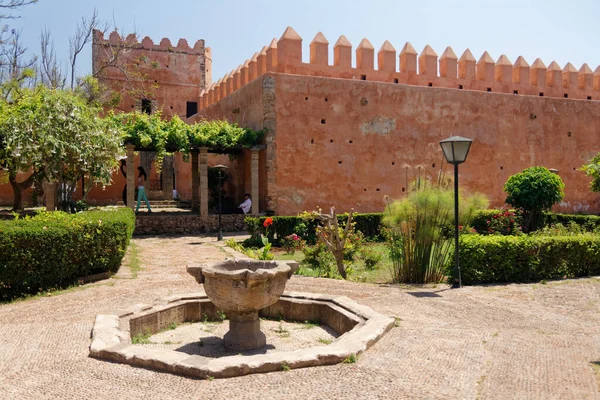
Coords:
143,132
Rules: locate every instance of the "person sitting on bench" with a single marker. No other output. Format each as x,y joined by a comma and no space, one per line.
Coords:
246,205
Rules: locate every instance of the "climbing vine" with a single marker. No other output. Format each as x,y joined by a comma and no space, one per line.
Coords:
152,132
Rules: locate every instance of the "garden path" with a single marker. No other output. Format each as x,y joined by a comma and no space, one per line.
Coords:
538,341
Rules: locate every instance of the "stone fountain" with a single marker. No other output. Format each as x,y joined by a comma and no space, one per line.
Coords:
241,288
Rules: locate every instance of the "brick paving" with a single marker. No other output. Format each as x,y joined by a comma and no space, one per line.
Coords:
206,339
496,342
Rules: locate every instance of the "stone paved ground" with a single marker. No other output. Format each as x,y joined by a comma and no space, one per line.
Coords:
500,342
206,338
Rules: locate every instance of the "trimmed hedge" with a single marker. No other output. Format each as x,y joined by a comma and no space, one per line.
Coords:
495,258
587,222
369,224
52,250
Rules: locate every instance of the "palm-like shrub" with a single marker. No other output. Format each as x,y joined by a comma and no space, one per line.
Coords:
419,232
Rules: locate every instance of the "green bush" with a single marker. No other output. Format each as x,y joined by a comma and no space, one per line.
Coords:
418,238
498,222
52,250
318,259
370,257
480,218
592,168
589,223
495,258
368,224
534,190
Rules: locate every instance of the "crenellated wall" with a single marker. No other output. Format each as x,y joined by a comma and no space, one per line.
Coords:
410,67
348,142
167,75
350,130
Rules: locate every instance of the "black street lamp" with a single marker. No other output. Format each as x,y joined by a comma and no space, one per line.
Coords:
455,150
220,170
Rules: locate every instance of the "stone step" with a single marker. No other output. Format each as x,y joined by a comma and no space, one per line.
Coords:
165,204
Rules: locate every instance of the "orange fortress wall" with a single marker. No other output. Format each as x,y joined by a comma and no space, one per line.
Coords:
346,136
170,75
350,130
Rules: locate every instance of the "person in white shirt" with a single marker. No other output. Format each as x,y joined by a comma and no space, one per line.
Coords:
246,205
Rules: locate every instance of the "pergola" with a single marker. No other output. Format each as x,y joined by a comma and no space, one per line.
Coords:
199,160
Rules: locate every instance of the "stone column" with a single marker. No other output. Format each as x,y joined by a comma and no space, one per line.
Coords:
130,176
203,172
50,191
195,182
244,332
167,177
254,180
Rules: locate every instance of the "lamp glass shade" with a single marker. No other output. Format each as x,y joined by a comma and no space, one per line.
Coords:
456,149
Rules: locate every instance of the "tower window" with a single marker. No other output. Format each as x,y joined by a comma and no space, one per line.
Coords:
146,106
191,108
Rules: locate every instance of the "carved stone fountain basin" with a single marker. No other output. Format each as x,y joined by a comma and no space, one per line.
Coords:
241,288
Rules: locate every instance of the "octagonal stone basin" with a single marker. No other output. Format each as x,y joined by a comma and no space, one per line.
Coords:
241,288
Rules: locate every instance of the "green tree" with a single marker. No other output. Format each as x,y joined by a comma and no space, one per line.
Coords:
534,190
592,168
56,135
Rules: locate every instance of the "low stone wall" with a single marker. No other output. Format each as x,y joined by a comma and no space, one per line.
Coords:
359,328
164,223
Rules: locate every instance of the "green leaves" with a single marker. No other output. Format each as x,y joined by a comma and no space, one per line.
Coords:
59,133
418,237
492,259
52,250
152,132
592,168
535,188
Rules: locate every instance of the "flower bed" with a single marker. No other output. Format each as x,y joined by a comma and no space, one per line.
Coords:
305,226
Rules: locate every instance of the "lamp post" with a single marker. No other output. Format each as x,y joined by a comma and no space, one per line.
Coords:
220,169
455,150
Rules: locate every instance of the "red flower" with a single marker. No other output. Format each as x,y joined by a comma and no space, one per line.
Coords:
268,222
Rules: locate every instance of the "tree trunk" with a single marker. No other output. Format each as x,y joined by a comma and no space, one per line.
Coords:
18,189
532,220
339,260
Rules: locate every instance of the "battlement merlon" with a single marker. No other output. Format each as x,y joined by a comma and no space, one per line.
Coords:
284,55
131,41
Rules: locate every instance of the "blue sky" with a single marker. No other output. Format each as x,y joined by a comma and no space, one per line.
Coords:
552,30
